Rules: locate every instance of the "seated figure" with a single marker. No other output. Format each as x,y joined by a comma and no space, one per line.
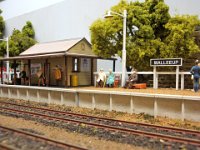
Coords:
110,79
132,79
101,78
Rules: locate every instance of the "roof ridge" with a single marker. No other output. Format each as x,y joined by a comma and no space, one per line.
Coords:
53,46
78,38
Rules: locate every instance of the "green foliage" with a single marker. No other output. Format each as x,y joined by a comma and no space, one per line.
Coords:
157,36
28,30
2,25
19,41
180,41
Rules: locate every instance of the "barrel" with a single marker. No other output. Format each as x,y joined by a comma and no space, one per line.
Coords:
73,80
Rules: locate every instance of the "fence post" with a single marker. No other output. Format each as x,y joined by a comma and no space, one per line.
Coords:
182,81
177,77
154,77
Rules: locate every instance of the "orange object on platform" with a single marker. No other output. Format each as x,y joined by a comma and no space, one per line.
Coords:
140,86
116,83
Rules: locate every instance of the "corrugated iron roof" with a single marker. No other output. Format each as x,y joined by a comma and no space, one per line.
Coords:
51,47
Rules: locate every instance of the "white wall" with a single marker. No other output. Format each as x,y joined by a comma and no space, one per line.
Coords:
67,19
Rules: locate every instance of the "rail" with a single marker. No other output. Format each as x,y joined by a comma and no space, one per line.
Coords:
150,73
58,144
171,135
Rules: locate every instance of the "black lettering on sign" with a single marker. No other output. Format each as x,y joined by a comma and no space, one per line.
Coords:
166,62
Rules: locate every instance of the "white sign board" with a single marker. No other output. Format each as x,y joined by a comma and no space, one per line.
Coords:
166,62
35,68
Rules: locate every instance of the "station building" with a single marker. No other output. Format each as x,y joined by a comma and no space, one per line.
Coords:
73,57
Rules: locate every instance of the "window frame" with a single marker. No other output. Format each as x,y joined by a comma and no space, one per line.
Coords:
73,64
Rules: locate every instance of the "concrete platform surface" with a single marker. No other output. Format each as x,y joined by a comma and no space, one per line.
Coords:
168,91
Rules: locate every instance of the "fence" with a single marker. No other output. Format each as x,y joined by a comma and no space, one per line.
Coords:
155,78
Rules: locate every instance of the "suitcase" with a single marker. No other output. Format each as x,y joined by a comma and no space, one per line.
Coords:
140,86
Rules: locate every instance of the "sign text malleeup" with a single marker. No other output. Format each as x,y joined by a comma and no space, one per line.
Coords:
166,62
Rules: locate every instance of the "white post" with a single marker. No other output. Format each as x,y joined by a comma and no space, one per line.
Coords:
177,77
7,56
124,49
156,81
95,79
182,81
154,77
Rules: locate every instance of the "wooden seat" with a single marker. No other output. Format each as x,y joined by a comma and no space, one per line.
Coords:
140,86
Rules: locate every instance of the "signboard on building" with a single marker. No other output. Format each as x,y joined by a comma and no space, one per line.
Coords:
35,68
166,62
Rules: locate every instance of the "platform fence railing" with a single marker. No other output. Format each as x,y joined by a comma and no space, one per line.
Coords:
182,74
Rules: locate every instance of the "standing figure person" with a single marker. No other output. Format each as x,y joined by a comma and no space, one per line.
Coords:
57,74
23,76
40,75
101,78
195,71
110,79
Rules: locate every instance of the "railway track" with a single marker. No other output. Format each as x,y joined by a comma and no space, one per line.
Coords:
169,135
6,147
42,142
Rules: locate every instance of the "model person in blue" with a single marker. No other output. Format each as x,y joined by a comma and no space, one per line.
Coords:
195,71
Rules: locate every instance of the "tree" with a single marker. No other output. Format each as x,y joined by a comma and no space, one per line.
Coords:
151,41
19,41
2,25
28,30
180,42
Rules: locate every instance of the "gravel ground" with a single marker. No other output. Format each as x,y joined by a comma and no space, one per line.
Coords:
171,91
105,122
94,142
22,142
62,135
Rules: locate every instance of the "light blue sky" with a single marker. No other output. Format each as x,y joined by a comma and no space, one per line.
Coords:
11,8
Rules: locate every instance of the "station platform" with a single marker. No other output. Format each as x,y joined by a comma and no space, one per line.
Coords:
179,104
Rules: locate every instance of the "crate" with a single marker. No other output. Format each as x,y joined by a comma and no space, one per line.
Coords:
140,86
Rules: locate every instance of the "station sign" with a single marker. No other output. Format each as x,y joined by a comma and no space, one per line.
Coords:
166,62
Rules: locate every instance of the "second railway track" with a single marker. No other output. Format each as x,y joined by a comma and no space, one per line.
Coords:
14,139
171,136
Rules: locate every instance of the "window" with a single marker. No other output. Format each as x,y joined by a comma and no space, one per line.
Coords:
75,63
